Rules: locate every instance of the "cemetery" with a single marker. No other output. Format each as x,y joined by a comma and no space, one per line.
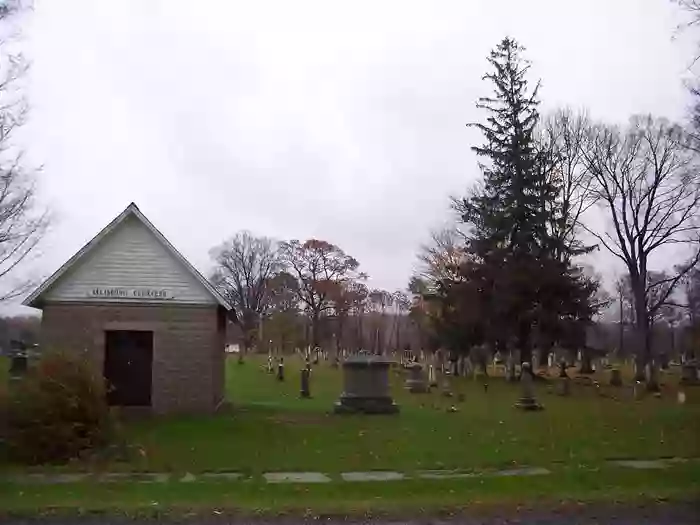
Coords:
285,422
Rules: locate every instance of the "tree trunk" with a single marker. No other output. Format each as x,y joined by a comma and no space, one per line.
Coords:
643,339
315,318
586,367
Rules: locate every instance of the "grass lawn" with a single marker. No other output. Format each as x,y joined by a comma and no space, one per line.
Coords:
397,499
269,428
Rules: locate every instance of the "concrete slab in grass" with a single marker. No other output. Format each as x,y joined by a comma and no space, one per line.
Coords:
220,476
377,475
47,478
445,474
523,471
296,477
131,477
642,464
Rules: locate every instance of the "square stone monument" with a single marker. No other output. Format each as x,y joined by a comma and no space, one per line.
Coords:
366,386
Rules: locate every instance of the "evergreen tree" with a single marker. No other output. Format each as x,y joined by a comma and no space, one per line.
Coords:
525,289
510,211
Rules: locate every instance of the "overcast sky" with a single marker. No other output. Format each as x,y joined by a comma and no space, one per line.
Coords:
343,121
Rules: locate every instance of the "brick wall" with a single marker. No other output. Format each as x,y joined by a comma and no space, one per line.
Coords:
188,346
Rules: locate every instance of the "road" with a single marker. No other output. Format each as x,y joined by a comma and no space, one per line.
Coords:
657,514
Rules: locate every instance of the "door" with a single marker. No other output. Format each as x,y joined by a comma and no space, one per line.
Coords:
128,367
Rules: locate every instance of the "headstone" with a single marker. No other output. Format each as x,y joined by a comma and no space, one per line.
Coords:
689,373
527,399
651,375
416,382
681,397
280,369
446,391
510,368
270,368
550,360
432,380
638,390
469,368
366,387
562,369
18,366
615,377
305,383
564,386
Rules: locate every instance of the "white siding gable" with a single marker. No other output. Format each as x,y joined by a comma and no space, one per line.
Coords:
129,257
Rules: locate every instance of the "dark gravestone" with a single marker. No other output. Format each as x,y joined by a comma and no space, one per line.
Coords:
563,386
416,382
366,387
615,377
18,366
562,369
305,383
280,370
689,373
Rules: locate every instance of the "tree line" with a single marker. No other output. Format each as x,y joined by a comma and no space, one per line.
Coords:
511,277
295,294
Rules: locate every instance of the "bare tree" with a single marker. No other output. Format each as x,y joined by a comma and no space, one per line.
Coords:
320,268
648,185
245,265
561,146
402,305
22,224
441,257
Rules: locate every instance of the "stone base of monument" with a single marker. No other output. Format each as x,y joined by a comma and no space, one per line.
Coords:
366,387
529,404
417,382
527,400
365,405
417,387
563,387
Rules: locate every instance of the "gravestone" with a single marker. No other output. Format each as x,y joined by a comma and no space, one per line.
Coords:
270,368
280,369
689,373
366,387
432,380
562,369
615,377
305,383
416,382
18,366
527,399
651,375
681,397
510,368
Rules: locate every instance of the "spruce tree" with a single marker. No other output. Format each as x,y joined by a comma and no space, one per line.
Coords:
525,289
510,210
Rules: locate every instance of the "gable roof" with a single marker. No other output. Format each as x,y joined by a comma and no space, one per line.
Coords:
34,299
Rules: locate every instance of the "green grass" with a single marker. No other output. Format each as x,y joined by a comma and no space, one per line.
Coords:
269,428
403,498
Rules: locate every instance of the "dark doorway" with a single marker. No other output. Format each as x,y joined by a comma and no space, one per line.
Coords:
127,367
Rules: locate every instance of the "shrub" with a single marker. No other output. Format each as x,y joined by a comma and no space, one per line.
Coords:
57,412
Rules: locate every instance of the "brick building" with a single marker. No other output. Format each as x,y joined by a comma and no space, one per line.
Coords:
144,315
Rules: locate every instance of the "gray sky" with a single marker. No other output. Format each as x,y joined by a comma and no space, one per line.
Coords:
338,120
